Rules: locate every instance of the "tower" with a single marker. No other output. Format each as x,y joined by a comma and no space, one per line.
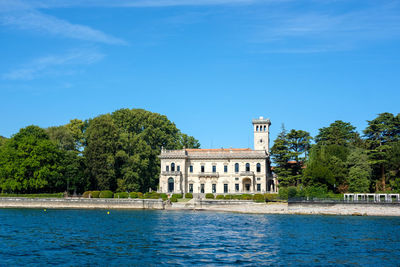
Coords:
261,133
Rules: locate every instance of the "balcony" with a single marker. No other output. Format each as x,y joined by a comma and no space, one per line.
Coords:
169,173
208,174
249,173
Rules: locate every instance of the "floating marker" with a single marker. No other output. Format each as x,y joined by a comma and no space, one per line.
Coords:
44,209
108,212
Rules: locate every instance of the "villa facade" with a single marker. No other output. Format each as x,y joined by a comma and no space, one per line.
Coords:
220,171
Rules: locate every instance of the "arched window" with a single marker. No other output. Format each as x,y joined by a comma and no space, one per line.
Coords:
170,184
172,167
265,128
258,167
247,167
236,167
257,128
167,168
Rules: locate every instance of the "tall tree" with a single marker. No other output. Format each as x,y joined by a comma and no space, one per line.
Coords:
338,133
286,153
381,133
359,171
101,138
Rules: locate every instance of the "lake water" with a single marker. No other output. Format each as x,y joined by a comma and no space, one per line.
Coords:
149,238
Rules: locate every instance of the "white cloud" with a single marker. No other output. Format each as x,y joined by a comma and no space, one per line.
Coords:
53,64
24,16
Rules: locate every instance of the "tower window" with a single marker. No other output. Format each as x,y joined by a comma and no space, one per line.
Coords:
257,128
265,128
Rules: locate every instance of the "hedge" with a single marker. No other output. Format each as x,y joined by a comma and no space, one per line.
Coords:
258,198
151,195
209,196
173,199
164,196
270,197
135,194
220,197
188,195
247,197
45,195
177,196
106,194
228,196
94,194
121,195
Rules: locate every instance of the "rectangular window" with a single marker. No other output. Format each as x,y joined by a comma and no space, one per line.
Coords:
202,168
225,188
202,188
190,188
178,168
258,187
190,168
214,168
237,187
167,168
226,168
214,188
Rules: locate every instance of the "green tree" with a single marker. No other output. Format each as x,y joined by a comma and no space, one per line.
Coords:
30,163
381,133
338,133
359,171
287,154
101,138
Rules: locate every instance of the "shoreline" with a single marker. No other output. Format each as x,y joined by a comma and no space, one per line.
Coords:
242,206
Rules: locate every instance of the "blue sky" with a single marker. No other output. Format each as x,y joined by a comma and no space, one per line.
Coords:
209,65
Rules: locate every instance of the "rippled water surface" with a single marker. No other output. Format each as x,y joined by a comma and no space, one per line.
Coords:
92,237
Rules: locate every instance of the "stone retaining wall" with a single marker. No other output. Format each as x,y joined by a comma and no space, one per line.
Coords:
372,209
81,203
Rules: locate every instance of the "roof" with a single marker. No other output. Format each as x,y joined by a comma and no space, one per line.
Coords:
217,153
217,150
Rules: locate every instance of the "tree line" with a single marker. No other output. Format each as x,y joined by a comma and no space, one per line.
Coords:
117,151
341,160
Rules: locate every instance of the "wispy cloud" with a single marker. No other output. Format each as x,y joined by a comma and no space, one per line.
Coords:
23,15
316,31
53,64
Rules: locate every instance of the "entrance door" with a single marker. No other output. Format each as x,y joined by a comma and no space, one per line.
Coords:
246,184
171,184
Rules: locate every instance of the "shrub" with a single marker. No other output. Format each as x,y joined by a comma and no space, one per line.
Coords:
237,197
188,195
106,194
247,197
316,191
86,194
151,195
173,199
270,197
121,195
229,197
133,195
177,195
258,198
164,196
292,192
220,197
209,196
95,194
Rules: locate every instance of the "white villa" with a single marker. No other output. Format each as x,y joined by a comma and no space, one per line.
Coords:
221,171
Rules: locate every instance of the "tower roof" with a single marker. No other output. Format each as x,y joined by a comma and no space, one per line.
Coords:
261,120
